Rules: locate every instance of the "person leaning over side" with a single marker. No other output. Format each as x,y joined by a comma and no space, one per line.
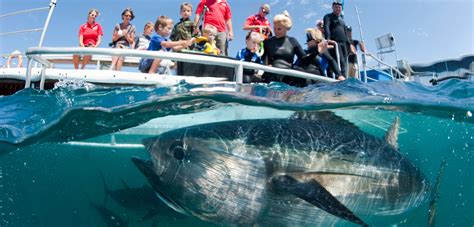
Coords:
90,35
218,14
335,29
161,42
281,50
259,23
317,57
123,37
249,54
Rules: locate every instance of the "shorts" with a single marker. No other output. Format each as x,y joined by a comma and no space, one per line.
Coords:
145,64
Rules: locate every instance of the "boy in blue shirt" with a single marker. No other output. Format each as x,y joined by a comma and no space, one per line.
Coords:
160,42
251,53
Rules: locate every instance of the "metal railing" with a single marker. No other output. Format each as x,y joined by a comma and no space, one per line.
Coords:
392,69
34,55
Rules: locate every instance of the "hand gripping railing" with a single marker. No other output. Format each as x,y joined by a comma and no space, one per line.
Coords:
34,55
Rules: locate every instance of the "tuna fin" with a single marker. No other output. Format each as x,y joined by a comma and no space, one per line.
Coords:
435,196
146,167
392,134
312,192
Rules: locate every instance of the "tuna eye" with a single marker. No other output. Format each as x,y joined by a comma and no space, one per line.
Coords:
177,149
178,153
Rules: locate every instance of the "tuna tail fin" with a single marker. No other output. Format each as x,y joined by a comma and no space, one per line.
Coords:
392,134
314,193
435,195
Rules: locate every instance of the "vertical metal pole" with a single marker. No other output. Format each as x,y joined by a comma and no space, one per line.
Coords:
43,77
28,73
364,62
52,5
239,73
338,59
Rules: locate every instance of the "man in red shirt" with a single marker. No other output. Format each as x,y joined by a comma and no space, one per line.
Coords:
218,14
259,23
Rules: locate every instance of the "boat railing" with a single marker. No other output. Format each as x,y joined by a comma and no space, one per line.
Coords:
34,54
394,72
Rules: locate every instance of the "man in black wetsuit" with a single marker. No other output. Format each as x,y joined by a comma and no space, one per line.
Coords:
335,29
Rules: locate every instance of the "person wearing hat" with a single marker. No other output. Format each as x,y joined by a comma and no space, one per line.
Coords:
352,58
335,29
317,58
259,23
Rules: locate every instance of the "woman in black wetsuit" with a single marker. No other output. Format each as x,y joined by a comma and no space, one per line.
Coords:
280,51
318,50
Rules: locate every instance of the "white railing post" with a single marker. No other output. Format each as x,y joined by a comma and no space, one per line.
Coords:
28,72
336,45
239,74
43,77
52,5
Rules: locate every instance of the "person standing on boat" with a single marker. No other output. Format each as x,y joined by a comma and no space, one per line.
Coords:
184,29
90,35
280,51
352,59
123,37
216,13
259,23
335,29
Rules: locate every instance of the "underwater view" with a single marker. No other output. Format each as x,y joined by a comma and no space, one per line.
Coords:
341,154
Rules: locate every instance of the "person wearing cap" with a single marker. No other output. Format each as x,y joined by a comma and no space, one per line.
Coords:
335,29
317,58
352,58
259,23
15,54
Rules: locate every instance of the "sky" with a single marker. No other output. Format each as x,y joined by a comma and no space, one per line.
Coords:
424,30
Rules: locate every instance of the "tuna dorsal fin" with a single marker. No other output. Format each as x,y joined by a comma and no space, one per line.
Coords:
392,134
323,116
313,192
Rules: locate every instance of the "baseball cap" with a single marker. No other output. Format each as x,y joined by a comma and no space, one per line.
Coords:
348,28
337,2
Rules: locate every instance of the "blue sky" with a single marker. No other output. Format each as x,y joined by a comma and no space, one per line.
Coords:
424,31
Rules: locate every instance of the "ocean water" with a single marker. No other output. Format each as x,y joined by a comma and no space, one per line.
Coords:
62,150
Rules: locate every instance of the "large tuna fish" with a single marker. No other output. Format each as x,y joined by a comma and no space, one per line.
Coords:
312,169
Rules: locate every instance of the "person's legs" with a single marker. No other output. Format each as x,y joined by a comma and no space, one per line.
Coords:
154,66
118,67
85,60
75,61
114,62
221,40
